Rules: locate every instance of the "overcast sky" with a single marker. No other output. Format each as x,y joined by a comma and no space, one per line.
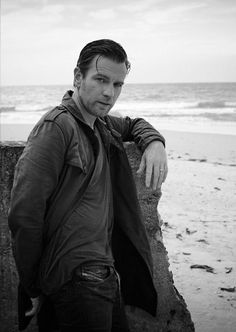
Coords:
166,40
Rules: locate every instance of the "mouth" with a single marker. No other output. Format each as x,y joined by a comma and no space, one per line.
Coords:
104,104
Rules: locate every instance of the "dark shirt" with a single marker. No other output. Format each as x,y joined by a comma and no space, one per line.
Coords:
91,222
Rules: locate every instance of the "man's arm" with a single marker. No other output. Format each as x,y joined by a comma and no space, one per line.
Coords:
150,142
36,176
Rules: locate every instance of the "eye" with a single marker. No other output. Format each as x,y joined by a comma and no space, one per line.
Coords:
118,85
101,79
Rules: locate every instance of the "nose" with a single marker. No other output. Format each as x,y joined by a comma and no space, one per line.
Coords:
109,91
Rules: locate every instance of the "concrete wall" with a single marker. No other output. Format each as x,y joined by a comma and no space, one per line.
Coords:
172,313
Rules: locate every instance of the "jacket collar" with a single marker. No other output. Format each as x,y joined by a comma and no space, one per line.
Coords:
71,106
108,134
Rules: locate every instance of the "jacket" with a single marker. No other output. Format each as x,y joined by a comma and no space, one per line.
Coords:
52,167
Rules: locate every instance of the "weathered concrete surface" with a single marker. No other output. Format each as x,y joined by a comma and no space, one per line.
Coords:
9,155
172,313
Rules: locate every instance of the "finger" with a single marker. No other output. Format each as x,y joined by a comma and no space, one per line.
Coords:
141,166
160,179
35,307
31,312
155,178
149,169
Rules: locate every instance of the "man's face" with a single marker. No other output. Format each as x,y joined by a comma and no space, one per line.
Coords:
101,86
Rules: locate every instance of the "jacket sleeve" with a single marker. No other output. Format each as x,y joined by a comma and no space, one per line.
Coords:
35,179
136,130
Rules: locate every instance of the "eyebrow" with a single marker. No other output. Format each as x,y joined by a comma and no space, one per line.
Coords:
106,77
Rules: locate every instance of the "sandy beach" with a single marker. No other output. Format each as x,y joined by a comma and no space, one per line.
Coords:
198,208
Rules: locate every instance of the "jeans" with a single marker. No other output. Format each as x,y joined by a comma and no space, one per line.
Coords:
91,301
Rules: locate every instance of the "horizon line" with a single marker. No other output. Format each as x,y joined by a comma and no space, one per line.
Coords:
128,83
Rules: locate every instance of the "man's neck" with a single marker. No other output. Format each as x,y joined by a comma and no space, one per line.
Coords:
88,118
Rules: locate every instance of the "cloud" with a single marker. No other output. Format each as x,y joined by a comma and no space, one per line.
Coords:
10,6
46,36
103,14
138,6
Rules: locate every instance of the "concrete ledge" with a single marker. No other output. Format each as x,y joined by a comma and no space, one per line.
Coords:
172,313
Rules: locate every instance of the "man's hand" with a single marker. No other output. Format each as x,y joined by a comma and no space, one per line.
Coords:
36,305
154,160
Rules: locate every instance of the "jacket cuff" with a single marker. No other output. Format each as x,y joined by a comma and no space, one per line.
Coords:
32,292
145,143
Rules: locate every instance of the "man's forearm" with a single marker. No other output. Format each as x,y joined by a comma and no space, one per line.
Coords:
137,130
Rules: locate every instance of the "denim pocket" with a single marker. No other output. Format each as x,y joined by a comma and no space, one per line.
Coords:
91,276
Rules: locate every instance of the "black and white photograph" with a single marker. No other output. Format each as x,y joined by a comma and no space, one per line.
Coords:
118,166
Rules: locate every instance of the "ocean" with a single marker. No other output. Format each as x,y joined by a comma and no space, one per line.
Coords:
191,107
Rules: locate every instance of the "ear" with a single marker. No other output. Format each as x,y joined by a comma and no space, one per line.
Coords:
77,77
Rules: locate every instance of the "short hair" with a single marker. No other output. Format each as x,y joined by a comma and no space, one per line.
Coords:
102,47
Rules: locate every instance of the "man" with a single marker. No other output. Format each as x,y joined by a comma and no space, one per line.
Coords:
78,236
